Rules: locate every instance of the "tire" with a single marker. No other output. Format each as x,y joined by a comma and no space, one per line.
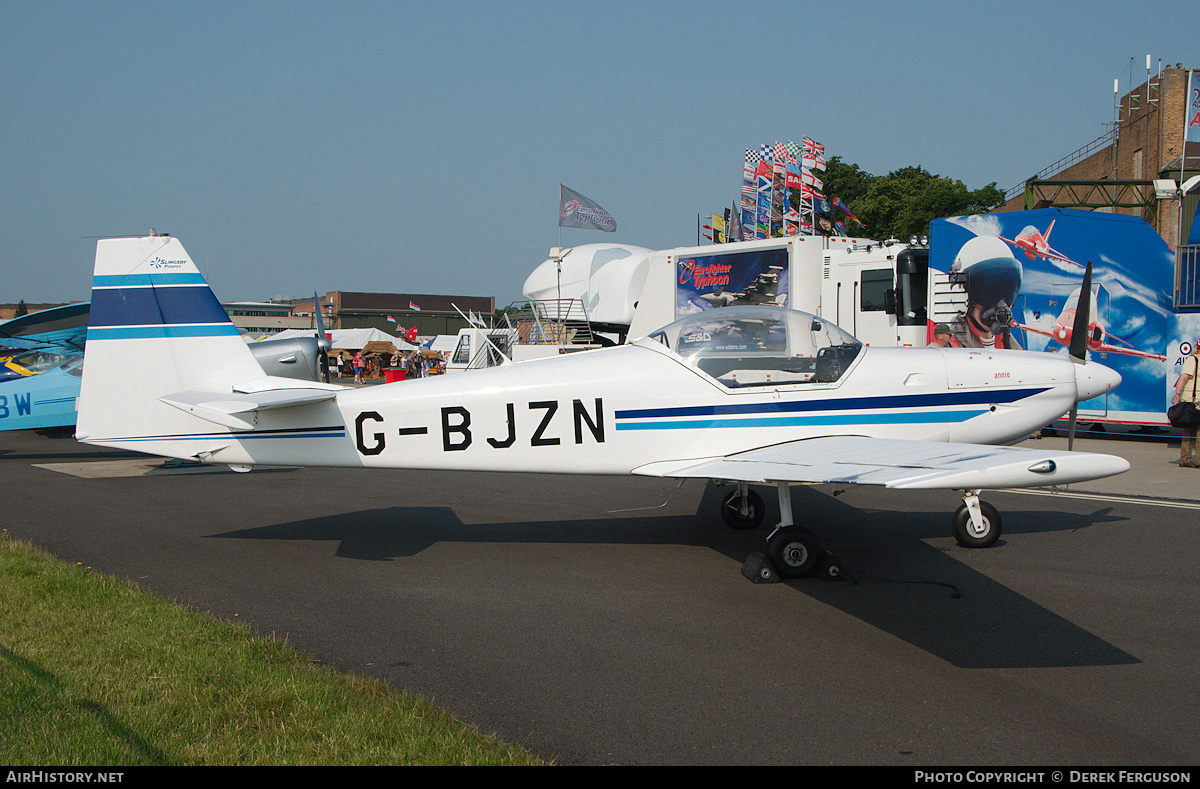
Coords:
964,531
731,511
794,551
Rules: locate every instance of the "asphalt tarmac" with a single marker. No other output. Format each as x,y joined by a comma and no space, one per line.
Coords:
607,620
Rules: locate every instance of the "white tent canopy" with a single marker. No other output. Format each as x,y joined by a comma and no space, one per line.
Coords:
347,339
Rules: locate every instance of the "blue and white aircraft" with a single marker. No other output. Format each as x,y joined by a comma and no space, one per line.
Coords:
39,380
750,395
42,395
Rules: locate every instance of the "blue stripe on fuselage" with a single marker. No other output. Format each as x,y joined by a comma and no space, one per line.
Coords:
932,400
859,418
336,431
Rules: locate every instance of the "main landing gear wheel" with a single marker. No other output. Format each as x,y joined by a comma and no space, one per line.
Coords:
970,535
794,551
735,518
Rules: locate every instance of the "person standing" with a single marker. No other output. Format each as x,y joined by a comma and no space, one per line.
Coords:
1185,391
358,367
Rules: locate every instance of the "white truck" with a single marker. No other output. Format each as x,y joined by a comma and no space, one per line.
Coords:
876,291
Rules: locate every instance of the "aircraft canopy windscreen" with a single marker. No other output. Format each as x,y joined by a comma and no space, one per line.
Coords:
761,346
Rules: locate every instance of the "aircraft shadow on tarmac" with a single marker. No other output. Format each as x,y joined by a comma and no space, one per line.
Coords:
902,585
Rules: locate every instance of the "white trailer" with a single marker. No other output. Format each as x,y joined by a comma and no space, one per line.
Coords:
876,291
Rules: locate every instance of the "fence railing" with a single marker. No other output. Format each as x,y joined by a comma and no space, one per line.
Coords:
1100,142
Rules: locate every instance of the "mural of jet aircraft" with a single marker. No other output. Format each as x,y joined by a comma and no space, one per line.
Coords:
1035,244
1062,331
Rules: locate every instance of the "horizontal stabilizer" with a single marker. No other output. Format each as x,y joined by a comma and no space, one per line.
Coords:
237,409
269,383
897,463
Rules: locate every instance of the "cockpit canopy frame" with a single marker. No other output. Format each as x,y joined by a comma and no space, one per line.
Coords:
755,346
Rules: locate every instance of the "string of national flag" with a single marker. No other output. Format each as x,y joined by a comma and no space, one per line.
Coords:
782,195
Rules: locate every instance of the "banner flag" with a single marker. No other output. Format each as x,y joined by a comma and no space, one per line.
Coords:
1193,112
735,223
839,205
718,228
575,210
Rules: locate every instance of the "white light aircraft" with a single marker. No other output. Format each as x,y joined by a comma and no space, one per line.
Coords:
750,395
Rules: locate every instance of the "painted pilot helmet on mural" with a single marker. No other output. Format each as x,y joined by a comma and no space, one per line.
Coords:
986,268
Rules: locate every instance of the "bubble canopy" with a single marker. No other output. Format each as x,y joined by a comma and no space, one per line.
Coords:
761,346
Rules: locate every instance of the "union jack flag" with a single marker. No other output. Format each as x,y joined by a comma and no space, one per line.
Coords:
813,147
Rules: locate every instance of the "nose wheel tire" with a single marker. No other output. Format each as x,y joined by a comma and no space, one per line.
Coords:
794,551
735,518
968,535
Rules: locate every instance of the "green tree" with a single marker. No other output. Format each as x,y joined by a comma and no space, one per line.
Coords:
21,309
904,201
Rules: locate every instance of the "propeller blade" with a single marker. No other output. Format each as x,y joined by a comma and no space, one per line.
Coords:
1083,318
1079,341
323,343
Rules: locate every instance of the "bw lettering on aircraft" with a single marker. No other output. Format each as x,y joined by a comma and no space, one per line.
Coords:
752,395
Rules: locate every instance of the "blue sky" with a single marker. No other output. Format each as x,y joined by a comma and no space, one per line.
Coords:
418,146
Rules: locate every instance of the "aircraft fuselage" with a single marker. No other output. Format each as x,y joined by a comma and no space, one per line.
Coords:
609,411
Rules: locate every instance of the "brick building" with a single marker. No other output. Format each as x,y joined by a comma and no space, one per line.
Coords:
1135,168
431,314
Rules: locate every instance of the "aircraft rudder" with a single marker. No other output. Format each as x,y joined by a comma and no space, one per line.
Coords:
155,328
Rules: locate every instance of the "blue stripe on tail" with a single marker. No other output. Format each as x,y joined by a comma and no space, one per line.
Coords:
159,304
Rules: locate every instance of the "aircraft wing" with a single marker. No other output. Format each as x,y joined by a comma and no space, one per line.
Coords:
60,330
1033,329
896,463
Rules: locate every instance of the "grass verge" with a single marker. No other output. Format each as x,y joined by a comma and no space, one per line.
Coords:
95,671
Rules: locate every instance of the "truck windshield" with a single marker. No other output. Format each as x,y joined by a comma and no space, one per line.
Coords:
761,346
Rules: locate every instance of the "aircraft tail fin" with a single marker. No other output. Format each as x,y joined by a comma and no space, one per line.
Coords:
155,328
